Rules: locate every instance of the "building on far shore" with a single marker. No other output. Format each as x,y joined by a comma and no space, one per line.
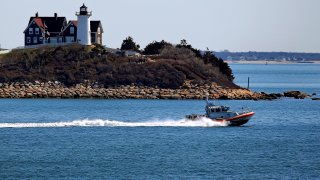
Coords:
57,30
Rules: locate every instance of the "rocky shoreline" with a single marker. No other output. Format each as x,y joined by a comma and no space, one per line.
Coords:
94,90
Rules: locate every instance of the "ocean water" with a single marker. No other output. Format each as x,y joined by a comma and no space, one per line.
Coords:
277,78
150,139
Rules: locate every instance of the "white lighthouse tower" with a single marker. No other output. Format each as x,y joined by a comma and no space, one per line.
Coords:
83,31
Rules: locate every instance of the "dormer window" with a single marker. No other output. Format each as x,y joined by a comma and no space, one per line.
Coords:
30,30
71,30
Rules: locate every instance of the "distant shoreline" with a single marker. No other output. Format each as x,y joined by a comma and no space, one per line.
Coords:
269,62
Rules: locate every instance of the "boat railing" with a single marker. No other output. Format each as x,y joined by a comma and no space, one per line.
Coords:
245,110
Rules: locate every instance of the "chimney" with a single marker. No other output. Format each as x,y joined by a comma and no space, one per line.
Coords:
56,15
37,14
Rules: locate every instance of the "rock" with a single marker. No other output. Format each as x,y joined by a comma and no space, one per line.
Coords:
276,95
224,97
29,95
85,90
295,94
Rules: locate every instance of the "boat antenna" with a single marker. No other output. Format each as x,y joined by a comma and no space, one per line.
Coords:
207,98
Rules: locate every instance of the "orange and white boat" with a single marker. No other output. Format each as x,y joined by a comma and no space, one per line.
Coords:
223,114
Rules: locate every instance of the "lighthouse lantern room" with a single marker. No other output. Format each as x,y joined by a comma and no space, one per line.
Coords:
83,32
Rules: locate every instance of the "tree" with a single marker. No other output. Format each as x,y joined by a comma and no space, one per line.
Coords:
184,44
155,47
209,57
129,44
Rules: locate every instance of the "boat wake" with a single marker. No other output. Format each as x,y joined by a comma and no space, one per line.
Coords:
203,122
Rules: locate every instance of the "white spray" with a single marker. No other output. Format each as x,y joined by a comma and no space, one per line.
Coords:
203,122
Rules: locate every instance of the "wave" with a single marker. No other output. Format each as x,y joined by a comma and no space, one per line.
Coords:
203,122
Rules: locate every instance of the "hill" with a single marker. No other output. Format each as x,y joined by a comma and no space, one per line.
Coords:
74,64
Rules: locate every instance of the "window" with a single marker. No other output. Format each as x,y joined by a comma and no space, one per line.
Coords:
71,30
30,30
53,40
28,40
35,40
36,30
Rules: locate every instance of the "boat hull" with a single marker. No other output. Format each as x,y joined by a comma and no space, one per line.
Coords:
233,121
237,120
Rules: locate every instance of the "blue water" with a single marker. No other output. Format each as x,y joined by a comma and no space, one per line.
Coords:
150,139
276,78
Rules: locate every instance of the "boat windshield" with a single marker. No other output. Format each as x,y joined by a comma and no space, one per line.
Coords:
224,108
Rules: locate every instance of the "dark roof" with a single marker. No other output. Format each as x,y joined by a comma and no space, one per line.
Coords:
53,24
94,25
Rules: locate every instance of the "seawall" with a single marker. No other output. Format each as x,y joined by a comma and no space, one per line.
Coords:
87,90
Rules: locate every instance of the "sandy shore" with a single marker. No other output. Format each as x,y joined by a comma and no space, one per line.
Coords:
269,62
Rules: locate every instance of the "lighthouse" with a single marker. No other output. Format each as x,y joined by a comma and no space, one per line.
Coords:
83,32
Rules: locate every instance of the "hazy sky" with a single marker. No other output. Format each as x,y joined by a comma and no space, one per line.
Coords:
236,25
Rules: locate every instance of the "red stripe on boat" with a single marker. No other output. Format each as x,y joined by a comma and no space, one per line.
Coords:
241,116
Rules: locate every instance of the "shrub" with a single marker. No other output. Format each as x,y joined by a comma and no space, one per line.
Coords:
155,47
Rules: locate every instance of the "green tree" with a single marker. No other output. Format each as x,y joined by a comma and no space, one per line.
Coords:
129,44
155,47
209,57
183,42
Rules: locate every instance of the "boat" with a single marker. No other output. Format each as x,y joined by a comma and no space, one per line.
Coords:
219,113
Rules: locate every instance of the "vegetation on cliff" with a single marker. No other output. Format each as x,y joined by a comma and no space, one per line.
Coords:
129,44
73,64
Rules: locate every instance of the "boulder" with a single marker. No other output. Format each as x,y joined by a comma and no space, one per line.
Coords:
295,94
276,95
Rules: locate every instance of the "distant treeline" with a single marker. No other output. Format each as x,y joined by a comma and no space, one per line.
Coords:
252,55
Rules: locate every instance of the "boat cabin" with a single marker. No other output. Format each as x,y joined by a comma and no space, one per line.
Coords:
212,109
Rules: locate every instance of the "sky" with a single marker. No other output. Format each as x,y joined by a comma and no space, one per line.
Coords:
234,25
